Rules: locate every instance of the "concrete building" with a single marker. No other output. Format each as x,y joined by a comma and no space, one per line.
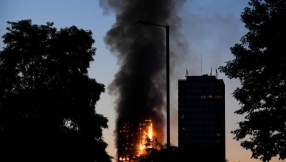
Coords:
201,120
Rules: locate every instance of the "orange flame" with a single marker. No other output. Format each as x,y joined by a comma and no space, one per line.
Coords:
150,131
146,133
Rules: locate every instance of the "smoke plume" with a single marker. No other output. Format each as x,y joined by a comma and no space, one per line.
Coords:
140,83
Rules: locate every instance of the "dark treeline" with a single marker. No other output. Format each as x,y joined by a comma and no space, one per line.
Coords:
195,153
47,100
259,63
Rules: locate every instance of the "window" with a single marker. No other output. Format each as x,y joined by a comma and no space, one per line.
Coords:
218,96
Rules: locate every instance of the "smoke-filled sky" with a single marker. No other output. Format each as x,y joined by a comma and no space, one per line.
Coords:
140,82
206,28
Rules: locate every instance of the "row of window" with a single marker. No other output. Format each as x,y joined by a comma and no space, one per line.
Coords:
196,84
196,128
197,141
197,122
124,130
197,109
198,116
197,135
211,96
198,91
201,97
195,103
189,90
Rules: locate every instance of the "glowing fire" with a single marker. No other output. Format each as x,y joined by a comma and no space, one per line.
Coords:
140,140
147,132
150,131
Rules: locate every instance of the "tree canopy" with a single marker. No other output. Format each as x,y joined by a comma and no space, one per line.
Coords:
157,152
47,100
259,64
160,153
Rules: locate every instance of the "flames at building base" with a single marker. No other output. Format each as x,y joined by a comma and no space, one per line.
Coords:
133,139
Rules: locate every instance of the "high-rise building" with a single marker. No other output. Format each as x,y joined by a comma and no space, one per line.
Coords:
132,138
201,120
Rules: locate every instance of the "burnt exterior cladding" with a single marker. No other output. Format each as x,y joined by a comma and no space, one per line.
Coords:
201,110
130,137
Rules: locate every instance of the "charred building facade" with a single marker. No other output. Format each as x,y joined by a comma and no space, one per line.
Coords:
201,110
132,138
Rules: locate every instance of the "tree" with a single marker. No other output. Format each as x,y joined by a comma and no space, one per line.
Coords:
175,154
47,100
160,154
157,152
259,64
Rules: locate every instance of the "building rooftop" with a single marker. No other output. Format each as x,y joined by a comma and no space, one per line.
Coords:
200,77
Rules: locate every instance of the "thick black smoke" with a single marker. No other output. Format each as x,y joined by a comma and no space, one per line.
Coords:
140,83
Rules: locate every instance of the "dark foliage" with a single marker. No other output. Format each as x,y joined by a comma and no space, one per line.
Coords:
161,154
175,154
199,153
47,100
260,63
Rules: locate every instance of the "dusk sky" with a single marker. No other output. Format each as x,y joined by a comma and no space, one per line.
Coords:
209,27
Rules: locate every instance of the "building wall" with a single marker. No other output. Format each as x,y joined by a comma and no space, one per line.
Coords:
131,136
126,141
201,113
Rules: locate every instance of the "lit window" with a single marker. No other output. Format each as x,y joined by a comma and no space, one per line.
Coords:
218,96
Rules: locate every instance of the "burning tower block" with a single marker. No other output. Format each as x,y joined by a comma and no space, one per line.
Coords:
132,138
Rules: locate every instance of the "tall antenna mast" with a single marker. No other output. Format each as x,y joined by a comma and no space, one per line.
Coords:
186,72
201,64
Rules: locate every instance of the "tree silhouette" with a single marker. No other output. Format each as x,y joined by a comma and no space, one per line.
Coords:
47,100
160,153
259,64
